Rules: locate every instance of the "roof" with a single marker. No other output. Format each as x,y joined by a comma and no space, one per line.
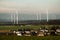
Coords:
5,31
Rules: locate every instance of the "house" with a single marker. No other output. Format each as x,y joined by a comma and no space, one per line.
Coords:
42,30
34,32
40,33
46,32
18,33
6,32
57,31
27,33
28,25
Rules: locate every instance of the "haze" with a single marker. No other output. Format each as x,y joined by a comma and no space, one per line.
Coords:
30,5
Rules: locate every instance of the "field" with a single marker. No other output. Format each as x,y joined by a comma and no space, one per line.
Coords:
14,37
25,27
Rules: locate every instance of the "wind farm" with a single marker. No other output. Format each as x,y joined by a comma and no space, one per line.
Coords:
29,19
38,18
30,28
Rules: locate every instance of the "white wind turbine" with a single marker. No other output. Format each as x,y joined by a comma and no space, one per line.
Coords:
37,16
16,17
11,16
40,14
47,14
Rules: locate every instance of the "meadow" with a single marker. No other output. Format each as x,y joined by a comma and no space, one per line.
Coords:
13,27
14,37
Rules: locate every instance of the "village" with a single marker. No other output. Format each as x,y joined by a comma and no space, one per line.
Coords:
54,31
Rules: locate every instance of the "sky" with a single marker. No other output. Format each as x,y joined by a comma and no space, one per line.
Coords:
29,5
27,8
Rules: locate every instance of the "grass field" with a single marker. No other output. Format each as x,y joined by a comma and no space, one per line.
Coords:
14,37
23,27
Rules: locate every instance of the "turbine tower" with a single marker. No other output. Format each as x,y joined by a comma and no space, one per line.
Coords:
40,16
47,14
37,16
11,17
16,17
40,13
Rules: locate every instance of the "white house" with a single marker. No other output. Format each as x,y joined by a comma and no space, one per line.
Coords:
18,33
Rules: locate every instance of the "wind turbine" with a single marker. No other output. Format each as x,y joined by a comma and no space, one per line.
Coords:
40,14
37,16
16,17
47,14
11,17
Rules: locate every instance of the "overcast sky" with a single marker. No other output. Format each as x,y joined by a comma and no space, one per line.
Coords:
30,5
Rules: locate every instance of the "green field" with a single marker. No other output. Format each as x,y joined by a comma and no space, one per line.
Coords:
24,27
14,37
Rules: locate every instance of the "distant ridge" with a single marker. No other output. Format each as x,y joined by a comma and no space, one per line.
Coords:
34,22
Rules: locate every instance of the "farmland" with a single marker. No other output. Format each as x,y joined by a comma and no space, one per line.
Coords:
13,27
14,37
